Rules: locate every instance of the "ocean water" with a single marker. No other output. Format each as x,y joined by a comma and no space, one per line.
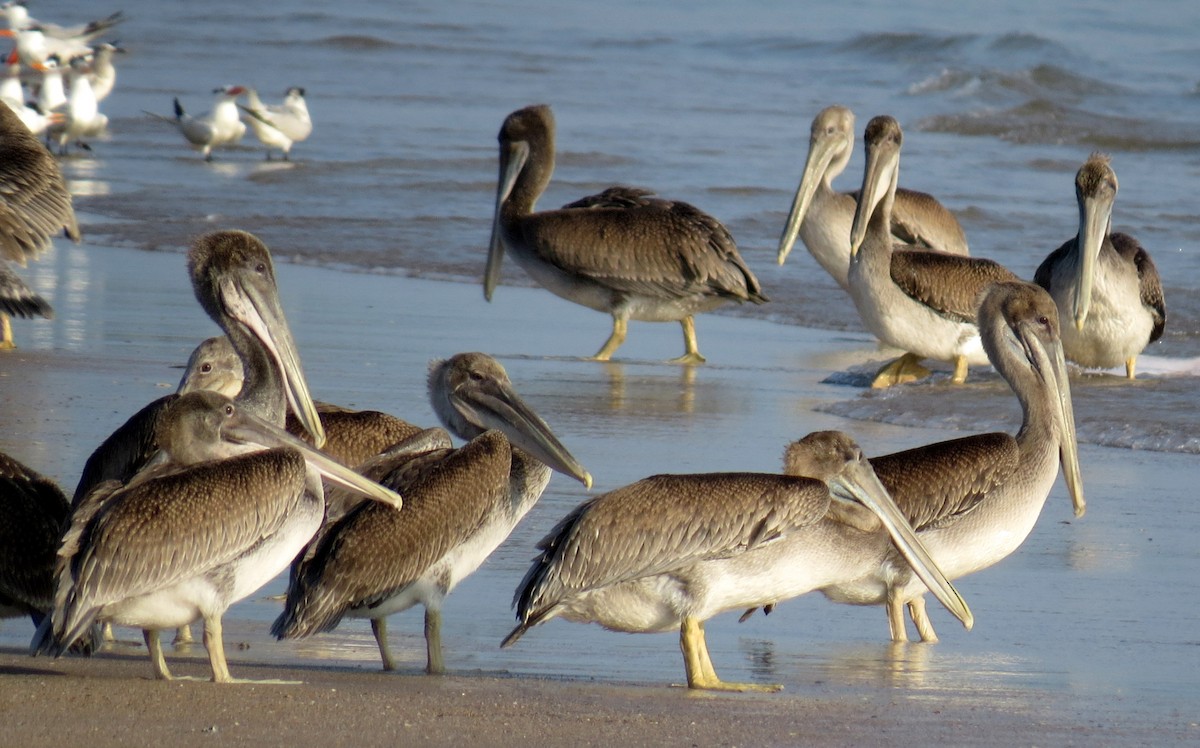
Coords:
708,102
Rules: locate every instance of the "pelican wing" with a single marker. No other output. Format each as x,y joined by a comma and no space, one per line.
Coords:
375,551
354,436
919,219
948,284
634,243
32,510
1131,251
1044,274
159,531
937,484
125,451
34,202
17,298
665,522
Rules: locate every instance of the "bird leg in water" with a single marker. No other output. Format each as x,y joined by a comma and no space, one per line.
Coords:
379,629
6,338
960,370
691,353
620,328
183,636
1130,367
434,664
698,665
916,610
903,370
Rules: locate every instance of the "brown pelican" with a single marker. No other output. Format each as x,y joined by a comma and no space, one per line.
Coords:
32,510
671,551
213,365
822,217
229,503
974,500
351,436
1106,283
460,504
622,251
920,302
36,206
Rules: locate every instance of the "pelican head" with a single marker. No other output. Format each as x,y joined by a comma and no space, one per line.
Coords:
1096,191
1020,328
206,425
830,143
524,131
471,393
835,458
882,140
234,280
214,365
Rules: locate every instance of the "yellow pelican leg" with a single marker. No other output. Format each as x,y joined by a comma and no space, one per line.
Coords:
433,642
108,636
157,662
183,636
379,629
916,609
1130,367
698,665
620,328
905,369
6,340
691,351
895,614
216,650
960,370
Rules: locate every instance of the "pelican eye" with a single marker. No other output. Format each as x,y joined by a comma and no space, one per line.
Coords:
260,267
229,409
205,368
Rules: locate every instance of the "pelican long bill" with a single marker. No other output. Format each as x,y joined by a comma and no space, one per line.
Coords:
1095,214
512,162
821,152
859,483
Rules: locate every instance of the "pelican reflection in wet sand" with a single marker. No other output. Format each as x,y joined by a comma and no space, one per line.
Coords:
974,500
920,302
622,251
821,217
1105,284
460,504
226,507
671,551
35,207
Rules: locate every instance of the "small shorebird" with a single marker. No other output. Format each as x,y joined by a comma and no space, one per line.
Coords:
920,302
219,127
622,251
1104,283
278,125
460,504
670,551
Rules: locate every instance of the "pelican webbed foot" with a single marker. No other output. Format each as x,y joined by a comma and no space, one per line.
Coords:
620,329
700,672
903,370
691,351
916,611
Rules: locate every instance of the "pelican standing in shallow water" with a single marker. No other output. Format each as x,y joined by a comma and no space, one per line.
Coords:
622,251
229,505
36,206
974,500
460,504
1104,283
821,217
920,302
671,551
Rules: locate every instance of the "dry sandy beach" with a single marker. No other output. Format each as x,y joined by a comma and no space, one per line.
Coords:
125,316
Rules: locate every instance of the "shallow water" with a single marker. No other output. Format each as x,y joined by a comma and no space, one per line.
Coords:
710,105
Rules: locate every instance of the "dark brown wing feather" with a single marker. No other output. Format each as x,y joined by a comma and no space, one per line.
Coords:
125,451
665,522
919,219
32,512
18,299
354,436
936,484
948,284
376,551
34,202
632,243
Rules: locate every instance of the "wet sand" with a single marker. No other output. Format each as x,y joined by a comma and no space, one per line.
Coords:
124,317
